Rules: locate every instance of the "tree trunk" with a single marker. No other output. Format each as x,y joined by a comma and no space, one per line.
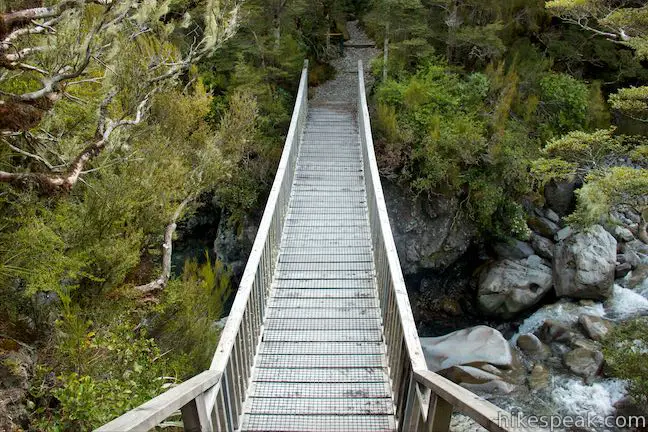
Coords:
386,53
167,251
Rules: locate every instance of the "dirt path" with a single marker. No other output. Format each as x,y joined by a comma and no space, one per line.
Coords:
343,89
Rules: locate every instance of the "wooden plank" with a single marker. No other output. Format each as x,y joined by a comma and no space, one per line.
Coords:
229,333
410,334
155,411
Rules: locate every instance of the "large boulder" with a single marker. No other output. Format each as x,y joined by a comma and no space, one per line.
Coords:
427,231
584,264
473,346
508,287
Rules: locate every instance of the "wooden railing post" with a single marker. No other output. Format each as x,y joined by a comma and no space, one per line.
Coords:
439,415
190,420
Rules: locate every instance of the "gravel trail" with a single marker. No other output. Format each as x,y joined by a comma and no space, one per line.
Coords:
343,89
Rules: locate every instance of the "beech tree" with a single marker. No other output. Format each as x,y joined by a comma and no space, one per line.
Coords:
108,57
622,22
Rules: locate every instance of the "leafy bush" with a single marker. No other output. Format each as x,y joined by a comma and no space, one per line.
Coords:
101,372
185,321
626,356
564,103
607,188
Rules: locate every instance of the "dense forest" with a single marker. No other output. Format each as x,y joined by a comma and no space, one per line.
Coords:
124,124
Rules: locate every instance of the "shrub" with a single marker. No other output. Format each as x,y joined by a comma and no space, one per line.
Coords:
626,355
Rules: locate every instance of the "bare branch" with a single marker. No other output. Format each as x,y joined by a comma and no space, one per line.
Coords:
20,17
66,180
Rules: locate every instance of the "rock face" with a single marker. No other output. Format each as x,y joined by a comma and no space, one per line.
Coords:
473,346
560,197
234,248
508,287
539,377
584,264
542,246
15,373
514,250
543,226
584,362
426,233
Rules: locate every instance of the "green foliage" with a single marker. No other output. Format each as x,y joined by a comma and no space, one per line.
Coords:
440,137
101,372
544,170
585,148
607,188
632,102
564,103
626,356
185,321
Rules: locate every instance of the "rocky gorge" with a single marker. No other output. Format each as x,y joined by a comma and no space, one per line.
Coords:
529,316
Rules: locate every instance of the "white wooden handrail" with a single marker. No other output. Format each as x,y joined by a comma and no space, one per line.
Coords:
424,400
214,399
180,398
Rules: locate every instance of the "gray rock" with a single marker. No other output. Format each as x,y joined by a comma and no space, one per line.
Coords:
584,265
542,246
539,377
622,270
552,216
595,327
508,287
560,197
426,234
497,387
543,226
515,249
532,346
472,346
554,331
637,276
469,374
16,370
622,234
583,362
232,246
583,342
564,233
635,251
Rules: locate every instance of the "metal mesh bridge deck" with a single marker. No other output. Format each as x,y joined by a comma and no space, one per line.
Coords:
322,360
